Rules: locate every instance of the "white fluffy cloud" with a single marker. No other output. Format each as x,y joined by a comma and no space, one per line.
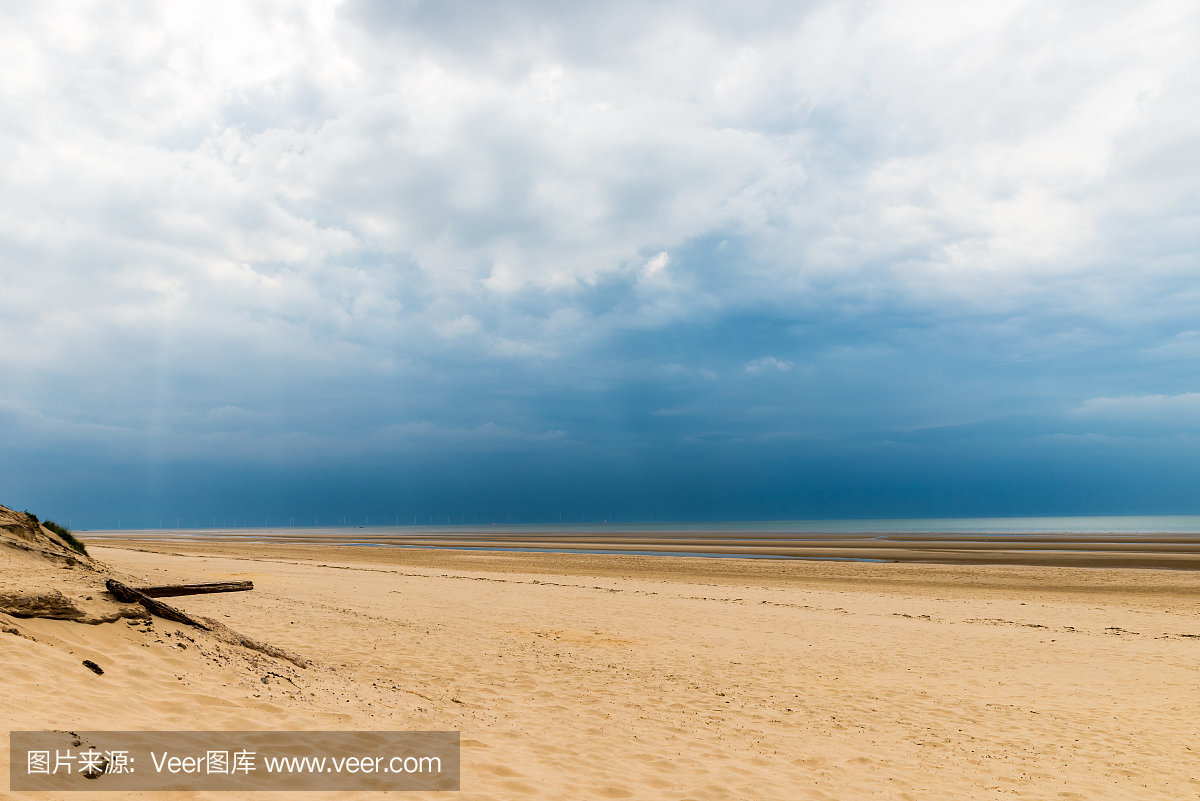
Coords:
1175,410
345,189
767,364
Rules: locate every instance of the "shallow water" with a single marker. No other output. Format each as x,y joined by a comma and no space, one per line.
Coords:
1115,524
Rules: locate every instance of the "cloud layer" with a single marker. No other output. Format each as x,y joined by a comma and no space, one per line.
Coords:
274,237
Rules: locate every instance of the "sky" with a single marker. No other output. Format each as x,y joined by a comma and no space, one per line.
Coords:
328,261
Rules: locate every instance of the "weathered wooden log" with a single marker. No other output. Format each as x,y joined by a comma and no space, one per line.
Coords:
173,590
128,594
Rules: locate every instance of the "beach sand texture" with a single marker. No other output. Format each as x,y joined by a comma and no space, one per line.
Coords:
587,676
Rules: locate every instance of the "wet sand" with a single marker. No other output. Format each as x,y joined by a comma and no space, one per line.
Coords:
1168,551
602,676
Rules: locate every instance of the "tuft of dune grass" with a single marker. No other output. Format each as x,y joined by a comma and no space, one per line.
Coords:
66,535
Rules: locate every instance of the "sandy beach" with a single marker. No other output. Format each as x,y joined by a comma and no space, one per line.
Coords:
578,676
1053,549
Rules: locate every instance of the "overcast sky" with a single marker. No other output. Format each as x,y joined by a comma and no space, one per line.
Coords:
609,260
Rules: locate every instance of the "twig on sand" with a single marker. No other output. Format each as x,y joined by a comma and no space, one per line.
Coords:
226,634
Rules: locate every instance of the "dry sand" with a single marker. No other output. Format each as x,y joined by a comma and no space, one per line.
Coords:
576,676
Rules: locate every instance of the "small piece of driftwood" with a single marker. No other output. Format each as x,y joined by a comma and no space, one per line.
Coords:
128,594
173,590
226,634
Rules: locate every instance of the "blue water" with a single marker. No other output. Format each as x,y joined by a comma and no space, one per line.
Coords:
1123,524
1117,524
601,551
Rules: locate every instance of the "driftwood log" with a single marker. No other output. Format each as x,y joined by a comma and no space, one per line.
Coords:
128,594
174,590
218,629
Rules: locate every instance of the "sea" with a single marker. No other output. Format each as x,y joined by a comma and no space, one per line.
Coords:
1098,524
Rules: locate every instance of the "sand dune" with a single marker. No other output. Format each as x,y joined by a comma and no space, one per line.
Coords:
583,676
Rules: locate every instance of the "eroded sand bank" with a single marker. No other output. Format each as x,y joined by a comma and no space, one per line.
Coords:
662,677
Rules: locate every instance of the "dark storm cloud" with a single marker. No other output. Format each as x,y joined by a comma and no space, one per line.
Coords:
743,260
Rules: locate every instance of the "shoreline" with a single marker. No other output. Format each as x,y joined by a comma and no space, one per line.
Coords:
916,576
1159,551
